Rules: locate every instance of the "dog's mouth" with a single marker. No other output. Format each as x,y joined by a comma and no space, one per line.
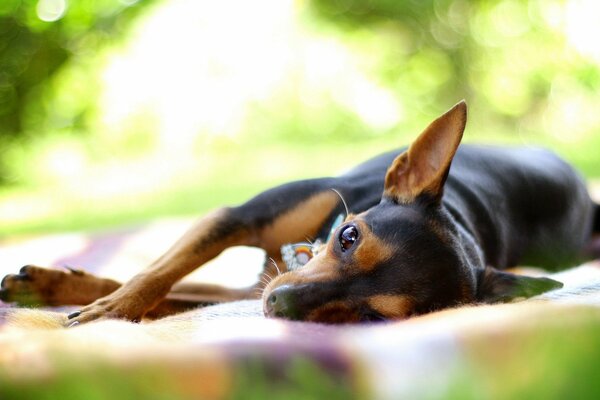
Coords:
317,302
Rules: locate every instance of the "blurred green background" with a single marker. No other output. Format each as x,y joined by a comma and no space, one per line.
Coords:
119,111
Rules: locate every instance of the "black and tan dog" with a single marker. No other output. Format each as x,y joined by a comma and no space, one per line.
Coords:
418,236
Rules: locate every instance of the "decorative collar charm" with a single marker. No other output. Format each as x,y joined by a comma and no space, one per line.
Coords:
296,255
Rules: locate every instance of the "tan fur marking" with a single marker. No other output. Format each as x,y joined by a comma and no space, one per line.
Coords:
371,250
423,167
391,306
322,268
309,215
350,217
334,312
189,251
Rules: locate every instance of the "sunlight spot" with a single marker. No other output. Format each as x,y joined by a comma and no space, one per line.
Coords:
583,27
510,18
553,15
376,106
570,114
199,78
63,162
51,10
195,74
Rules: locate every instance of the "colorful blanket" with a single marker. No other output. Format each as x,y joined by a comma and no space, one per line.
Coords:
543,347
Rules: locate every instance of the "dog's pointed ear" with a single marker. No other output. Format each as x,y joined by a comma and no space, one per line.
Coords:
423,168
496,286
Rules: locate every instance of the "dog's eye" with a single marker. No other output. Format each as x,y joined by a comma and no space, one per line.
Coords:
348,236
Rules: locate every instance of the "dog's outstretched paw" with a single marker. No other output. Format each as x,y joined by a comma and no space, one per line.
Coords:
28,287
37,286
108,307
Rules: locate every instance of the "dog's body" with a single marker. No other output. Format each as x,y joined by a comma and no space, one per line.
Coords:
435,238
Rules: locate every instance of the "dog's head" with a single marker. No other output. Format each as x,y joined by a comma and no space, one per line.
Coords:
404,256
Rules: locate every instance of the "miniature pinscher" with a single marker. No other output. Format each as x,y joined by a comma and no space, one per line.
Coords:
405,233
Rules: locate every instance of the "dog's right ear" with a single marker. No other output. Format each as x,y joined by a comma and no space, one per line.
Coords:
423,168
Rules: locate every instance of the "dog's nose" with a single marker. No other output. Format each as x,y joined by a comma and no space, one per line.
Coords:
280,303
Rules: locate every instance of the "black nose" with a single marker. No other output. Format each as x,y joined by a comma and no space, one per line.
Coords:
280,303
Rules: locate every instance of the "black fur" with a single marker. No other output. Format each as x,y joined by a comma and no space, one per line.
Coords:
501,207
596,227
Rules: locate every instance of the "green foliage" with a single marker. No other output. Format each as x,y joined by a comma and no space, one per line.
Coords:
299,379
37,40
253,379
89,97
547,361
511,59
94,381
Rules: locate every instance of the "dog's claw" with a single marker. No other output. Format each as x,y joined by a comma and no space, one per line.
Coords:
73,324
73,270
23,270
74,314
19,277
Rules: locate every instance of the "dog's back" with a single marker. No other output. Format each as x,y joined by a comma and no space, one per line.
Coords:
524,205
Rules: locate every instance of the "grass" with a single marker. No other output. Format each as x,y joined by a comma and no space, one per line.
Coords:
231,176
553,361
251,379
223,175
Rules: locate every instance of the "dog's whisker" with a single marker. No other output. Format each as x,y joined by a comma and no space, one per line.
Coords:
265,279
276,266
343,201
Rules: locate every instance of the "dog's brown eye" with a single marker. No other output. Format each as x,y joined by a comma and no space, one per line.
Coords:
348,236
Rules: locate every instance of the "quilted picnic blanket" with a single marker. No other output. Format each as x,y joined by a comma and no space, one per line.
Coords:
546,347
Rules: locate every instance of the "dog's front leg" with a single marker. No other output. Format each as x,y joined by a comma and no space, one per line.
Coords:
285,214
204,241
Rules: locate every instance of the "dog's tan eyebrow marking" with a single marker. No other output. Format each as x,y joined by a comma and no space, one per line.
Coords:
391,306
349,217
371,249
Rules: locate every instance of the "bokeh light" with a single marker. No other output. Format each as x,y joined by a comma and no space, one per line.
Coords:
51,10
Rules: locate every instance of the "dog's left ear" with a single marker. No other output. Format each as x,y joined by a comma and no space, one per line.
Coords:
423,168
496,286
